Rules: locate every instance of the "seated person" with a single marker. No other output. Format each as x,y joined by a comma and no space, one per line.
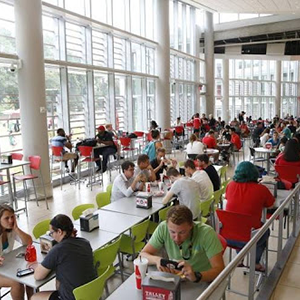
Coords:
195,245
235,140
194,147
145,168
210,140
244,130
203,162
264,137
62,140
246,196
153,125
9,233
159,163
290,155
275,141
104,137
153,145
71,259
125,183
186,189
201,177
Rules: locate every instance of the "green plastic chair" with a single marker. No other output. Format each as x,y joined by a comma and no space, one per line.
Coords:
225,183
92,290
181,164
206,206
104,257
109,188
218,197
77,210
223,173
134,243
41,228
103,199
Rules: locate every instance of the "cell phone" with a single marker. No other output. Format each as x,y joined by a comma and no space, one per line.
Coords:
20,255
171,264
25,272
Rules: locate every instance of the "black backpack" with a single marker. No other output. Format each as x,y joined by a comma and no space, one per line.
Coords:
87,142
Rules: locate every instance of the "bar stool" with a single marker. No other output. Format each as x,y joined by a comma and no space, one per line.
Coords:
57,157
35,163
87,155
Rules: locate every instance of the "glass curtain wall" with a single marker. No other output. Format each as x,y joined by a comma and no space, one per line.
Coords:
252,87
183,60
94,74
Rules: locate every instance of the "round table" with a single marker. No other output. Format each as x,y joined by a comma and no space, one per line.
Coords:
265,151
210,151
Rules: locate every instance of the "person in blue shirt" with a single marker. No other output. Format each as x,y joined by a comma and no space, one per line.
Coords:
274,140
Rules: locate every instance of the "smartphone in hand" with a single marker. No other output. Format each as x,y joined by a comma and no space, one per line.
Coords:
171,264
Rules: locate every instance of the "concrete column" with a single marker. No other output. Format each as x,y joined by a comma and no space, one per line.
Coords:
278,89
31,78
163,64
225,101
209,63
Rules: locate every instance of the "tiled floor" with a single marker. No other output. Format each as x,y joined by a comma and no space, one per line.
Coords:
64,200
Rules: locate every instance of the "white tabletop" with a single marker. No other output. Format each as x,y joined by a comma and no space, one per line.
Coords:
264,150
115,222
210,151
97,237
218,168
128,206
16,163
127,290
11,264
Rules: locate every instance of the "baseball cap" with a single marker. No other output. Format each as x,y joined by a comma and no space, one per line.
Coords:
101,128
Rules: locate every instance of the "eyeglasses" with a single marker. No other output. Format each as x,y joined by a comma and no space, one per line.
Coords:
51,232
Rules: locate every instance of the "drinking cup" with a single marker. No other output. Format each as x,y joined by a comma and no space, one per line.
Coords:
140,268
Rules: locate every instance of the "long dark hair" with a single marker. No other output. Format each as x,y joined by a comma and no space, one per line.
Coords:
63,223
3,209
291,151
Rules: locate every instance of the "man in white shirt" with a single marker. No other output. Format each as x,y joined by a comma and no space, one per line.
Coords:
124,184
186,189
201,177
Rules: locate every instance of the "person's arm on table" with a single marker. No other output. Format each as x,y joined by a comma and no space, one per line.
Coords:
217,265
41,272
152,176
161,164
168,197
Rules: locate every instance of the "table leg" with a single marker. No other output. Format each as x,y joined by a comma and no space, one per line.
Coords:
268,163
12,198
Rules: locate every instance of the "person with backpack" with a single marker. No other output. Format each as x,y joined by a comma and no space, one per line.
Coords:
152,146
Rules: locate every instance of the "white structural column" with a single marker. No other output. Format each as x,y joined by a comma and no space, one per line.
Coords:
209,62
31,77
197,68
225,101
278,89
163,64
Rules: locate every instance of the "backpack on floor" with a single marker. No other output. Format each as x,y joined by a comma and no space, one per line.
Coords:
150,150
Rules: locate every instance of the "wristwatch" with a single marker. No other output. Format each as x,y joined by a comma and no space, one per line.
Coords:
198,276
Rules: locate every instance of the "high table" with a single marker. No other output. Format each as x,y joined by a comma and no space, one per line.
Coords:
97,237
115,222
128,206
11,264
7,167
265,151
127,290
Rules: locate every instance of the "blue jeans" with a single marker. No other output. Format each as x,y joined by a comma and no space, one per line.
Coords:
260,246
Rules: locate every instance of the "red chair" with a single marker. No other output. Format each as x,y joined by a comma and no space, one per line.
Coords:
223,242
126,146
140,139
35,164
57,157
87,155
289,173
149,137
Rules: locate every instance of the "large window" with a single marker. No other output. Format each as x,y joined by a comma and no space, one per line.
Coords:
102,110
75,41
7,29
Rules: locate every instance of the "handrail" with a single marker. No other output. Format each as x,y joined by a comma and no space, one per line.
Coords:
233,264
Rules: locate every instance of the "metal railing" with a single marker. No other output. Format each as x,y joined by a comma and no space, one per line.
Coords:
273,276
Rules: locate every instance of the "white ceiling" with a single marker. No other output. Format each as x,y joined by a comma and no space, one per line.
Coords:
251,6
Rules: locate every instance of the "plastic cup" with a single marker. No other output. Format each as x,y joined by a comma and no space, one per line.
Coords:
148,187
161,177
140,268
161,186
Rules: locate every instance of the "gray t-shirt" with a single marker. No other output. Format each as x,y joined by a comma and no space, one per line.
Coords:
188,193
72,260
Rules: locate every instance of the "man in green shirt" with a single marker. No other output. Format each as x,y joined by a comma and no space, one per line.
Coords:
194,245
